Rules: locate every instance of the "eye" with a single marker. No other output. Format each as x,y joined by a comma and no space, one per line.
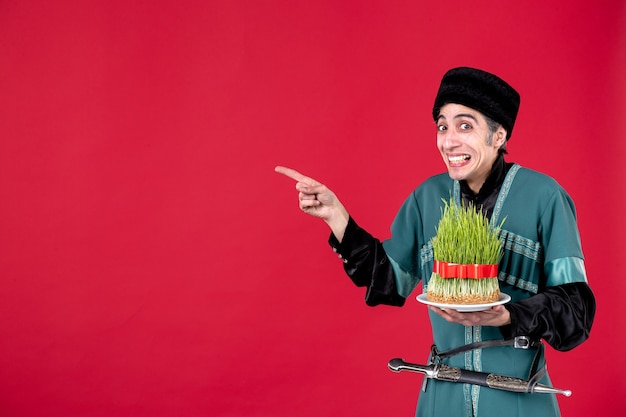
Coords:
441,128
465,126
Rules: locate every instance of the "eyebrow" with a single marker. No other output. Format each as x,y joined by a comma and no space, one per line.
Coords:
460,116
468,115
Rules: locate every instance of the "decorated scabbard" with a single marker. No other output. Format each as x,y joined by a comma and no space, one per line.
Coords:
442,372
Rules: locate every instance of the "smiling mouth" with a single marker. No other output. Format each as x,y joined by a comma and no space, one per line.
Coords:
457,159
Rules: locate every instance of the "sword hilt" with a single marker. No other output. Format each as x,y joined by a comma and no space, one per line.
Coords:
398,365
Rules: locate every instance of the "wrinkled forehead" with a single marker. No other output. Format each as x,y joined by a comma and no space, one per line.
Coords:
453,111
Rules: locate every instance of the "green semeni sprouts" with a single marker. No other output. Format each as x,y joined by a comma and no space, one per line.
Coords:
465,236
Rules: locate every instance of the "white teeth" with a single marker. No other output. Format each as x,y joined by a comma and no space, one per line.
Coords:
459,158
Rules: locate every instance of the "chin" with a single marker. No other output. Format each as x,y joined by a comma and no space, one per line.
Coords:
455,174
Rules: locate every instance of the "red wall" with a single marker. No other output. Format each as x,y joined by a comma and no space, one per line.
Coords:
153,264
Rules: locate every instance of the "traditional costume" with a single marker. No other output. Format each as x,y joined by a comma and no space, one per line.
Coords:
542,267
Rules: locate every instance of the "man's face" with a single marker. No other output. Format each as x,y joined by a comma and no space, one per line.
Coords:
462,136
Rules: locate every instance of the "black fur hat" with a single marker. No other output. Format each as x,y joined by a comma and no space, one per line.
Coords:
481,91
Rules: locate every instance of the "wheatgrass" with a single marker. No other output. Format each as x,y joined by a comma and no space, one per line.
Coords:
465,236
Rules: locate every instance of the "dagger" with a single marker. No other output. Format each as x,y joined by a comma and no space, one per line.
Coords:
443,372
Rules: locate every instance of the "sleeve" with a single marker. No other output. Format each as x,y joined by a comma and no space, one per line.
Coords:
561,315
563,311
367,264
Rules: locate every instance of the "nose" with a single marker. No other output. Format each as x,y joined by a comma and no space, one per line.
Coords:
449,140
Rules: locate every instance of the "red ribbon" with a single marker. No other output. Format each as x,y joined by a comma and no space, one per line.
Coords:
473,271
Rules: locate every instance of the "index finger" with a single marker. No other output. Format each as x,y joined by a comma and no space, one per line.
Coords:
295,175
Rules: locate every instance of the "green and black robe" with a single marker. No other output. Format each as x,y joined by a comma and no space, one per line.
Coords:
542,270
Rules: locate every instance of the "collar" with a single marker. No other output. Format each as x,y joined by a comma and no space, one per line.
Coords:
494,180
488,193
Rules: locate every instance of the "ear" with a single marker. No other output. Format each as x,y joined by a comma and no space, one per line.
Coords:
499,137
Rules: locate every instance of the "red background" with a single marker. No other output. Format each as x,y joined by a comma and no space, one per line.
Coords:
153,264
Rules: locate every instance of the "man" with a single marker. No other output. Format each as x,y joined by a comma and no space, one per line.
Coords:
542,268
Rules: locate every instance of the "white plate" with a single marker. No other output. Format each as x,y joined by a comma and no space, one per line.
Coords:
504,298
